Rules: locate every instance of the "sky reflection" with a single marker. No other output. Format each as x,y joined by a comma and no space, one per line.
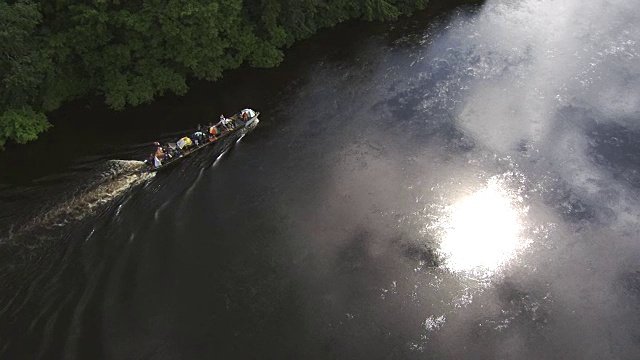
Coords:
481,232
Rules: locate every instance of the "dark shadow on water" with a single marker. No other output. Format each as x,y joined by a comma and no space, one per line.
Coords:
353,255
568,203
630,281
616,148
418,252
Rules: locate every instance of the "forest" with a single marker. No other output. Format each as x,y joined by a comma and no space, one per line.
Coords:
129,52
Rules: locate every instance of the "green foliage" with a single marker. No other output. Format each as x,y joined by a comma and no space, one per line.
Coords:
23,62
379,9
22,125
132,51
24,65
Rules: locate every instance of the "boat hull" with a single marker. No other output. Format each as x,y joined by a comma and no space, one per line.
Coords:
242,127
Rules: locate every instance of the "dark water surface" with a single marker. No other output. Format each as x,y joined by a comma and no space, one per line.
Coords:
464,186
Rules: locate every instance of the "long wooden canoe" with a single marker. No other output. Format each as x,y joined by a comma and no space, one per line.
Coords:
241,125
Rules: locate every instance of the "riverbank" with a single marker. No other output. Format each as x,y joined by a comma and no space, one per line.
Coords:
131,53
87,130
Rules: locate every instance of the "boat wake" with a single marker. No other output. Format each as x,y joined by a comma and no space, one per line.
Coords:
109,184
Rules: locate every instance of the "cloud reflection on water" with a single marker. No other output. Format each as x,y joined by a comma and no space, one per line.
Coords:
503,88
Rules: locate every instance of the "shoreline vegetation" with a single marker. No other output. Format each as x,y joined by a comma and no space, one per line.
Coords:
130,52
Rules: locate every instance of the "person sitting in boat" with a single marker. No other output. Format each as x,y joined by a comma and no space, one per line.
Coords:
220,122
226,123
199,137
213,130
195,139
247,114
229,123
169,151
184,143
155,159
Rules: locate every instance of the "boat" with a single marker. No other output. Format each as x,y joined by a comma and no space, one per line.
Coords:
242,122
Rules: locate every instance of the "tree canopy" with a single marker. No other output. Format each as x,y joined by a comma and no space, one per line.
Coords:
131,51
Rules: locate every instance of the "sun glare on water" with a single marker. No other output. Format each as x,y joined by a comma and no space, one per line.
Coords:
482,231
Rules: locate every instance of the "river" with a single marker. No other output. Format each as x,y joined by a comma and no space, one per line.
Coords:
457,185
